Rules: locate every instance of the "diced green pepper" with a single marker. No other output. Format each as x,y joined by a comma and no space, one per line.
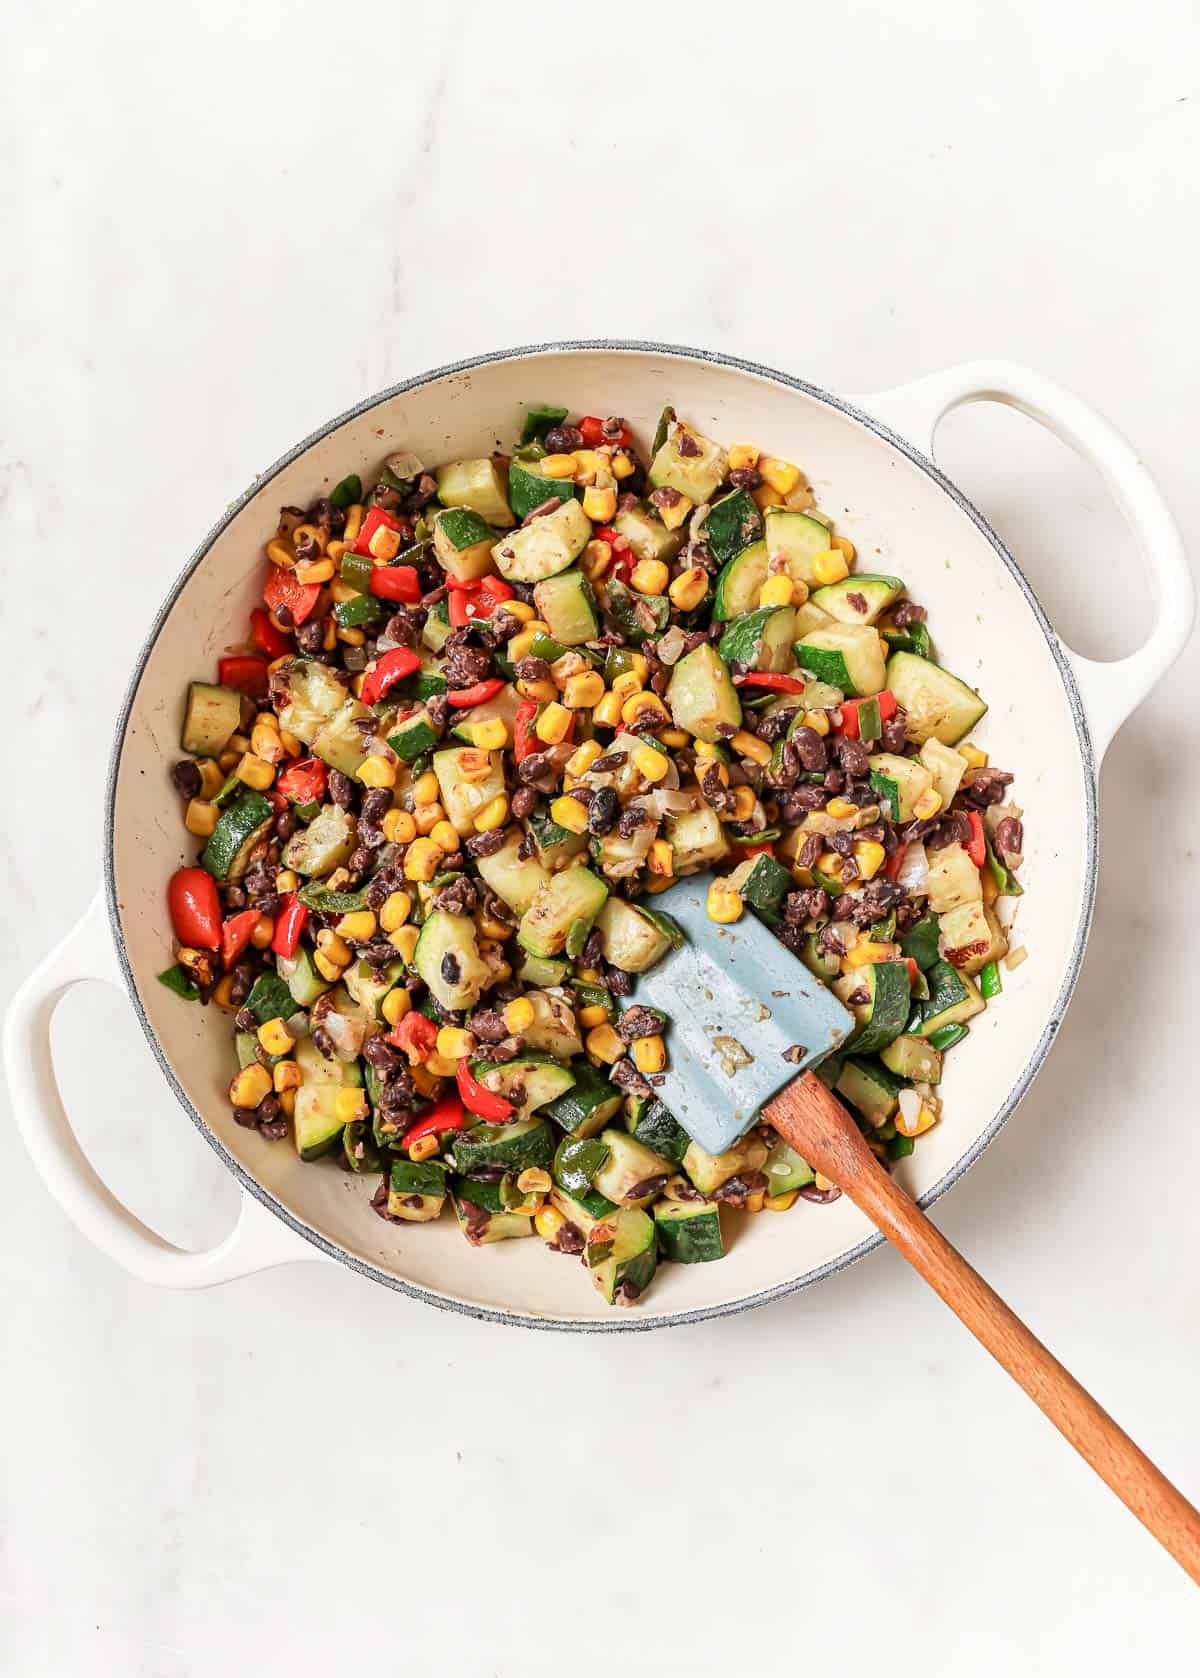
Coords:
989,981
947,1037
346,493
179,980
326,902
539,419
356,569
360,609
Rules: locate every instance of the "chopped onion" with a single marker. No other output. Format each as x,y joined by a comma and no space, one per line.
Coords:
914,870
671,802
669,648
347,1036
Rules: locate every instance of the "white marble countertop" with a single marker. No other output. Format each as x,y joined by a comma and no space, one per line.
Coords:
223,225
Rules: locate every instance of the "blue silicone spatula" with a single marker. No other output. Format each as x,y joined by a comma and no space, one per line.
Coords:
748,1022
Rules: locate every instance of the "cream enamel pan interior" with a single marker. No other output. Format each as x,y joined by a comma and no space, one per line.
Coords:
1049,727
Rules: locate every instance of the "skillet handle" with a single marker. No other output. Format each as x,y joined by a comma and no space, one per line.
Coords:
257,1241
1112,691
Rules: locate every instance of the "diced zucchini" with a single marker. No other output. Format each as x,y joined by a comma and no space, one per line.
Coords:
650,1123
739,582
845,654
701,694
301,977
413,735
500,1224
545,547
708,1171
554,1029
690,463
938,705
911,1057
647,535
369,985
239,828
953,879
920,942
462,799
809,617
315,696
477,484
761,639
901,780
946,766
213,714
527,488
575,895
631,942
762,885
555,845
529,1082
971,937
630,1165
416,1190
786,1170
870,1087
589,1105
437,627
516,1147
566,604
888,1002
953,999
323,845
341,742
577,1159
798,539
447,958
622,1255
733,523
462,543
697,840
503,707
515,880
582,1210
316,1123
858,599
689,1231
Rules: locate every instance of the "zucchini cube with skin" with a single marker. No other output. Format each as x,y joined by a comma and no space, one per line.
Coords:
701,695
447,958
647,535
795,540
740,581
687,462
575,895
554,1029
516,880
529,1082
632,1174
953,879
622,1255
213,714
477,484
901,780
689,1231
937,704
482,1215
315,696
847,656
946,766
631,942
416,1190
971,936
462,543
544,548
697,840
859,599
709,1171
322,846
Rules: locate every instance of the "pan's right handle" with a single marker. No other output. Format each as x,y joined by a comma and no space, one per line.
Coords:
1111,692
258,1241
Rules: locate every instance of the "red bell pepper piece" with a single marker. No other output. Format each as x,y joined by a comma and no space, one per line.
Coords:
289,924
495,590
459,608
886,700
463,698
623,556
266,637
592,427
479,1101
235,935
304,781
416,1035
976,845
375,520
446,1114
756,850
245,673
524,739
912,971
396,582
895,862
768,679
282,589
195,908
389,669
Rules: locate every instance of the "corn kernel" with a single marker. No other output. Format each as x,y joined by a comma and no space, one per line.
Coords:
422,860
281,553
453,1042
359,925
424,1147
354,519
287,1102
494,814
352,637
548,1222
927,804
782,1202
286,879
743,803
384,544
201,817
440,1066
211,778
756,1201
742,457
588,462
424,1082
533,1180
674,736
975,758
583,691
689,588
425,788
846,547
913,1117
427,816
317,533
265,742
675,512
780,474
823,1183
705,748
607,713
286,1075
395,1005
350,1104
651,765
649,1054
627,683
544,691
600,504
334,947
490,736
582,758
377,772
314,571
519,1014
474,764
341,592
399,827
830,864
404,941
569,813
723,905
264,931
818,721
623,464
250,1086
594,1014
255,772
445,836
492,929
645,709
329,638
869,855
749,745
776,591
764,497
597,557
518,646
867,952
650,576
223,993
839,808
602,1043
557,466
519,609
829,566
660,859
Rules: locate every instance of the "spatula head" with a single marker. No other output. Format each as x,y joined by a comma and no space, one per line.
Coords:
746,1017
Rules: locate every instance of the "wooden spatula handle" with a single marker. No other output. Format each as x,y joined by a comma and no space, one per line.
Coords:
814,1122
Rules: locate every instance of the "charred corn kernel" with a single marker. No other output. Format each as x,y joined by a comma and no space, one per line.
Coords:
742,456
490,736
396,909
830,863
628,682
597,557
377,772
548,1222
749,745
349,1104
519,609
660,859
314,571
223,993
281,553
264,931
250,1086
334,947
396,1003
743,803
885,652
650,576
474,764
587,463
867,952
494,814
445,836
602,1043
623,465
399,827
384,544
689,588
519,1014
756,1201
674,736
583,757
607,714
594,1014
440,1066
657,883
645,709
845,547
335,549
589,975
453,1042
649,1054
255,772
354,518
868,815
425,788
705,748
782,1202
780,474
422,860
569,813
558,466
776,591
424,1082
674,514
518,645
869,855
927,804
427,816
201,817
305,533
840,808
600,504
265,743
817,720
238,743
286,1075
211,778
287,880
913,1123
424,1147
651,765
581,692
496,931
975,758
829,566
764,496
341,592
545,692
359,925
722,905
533,1180
287,1103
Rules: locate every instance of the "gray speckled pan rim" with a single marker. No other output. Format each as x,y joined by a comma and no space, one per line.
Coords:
631,1321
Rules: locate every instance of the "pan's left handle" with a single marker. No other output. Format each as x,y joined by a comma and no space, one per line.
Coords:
258,1240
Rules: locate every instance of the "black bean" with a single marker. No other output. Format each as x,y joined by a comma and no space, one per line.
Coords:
523,802
532,670
341,789
310,637
284,825
1010,836
486,844
563,439
603,811
852,755
187,778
